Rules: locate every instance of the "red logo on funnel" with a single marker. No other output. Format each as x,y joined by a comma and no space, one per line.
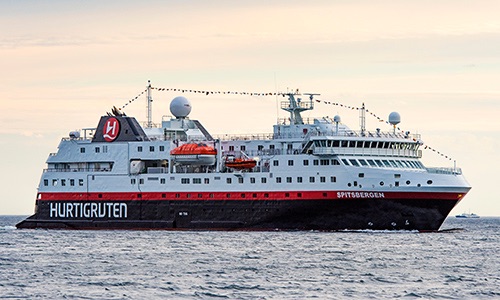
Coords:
111,129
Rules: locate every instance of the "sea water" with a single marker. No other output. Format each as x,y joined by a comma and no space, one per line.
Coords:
461,263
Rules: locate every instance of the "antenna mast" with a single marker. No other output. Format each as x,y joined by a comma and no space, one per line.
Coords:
296,106
149,106
362,119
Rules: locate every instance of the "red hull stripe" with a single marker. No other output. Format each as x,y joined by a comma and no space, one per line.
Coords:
290,195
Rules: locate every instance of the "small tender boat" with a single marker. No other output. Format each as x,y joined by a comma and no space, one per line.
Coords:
241,163
194,154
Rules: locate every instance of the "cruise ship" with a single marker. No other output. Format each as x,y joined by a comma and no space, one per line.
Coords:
308,174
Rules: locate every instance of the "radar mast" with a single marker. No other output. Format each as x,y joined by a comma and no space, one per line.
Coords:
295,106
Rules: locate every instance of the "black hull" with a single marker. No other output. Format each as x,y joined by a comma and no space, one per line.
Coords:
328,215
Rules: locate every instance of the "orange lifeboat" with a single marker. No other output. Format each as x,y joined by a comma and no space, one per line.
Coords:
194,154
241,163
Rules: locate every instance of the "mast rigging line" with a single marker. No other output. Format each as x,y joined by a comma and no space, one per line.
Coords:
208,92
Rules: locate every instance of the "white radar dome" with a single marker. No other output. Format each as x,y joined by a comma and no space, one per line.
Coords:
180,107
394,118
336,119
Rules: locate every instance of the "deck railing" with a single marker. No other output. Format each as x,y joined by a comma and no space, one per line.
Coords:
440,170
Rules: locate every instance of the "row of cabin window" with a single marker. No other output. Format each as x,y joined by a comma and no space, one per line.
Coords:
383,163
312,179
139,149
316,162
259,147
151,148
96,149
242,195
183,180
365,144
63,182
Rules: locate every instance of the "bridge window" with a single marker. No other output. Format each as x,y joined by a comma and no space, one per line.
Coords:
354,162
363,162
371,162
336,144
335,162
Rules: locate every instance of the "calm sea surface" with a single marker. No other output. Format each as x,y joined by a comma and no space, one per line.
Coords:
59,264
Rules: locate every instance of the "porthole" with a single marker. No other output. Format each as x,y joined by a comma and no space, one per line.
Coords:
419,185
349,184
407,182
381,183
429,181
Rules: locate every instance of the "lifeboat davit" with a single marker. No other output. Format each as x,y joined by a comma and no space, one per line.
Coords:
241,163
194,154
